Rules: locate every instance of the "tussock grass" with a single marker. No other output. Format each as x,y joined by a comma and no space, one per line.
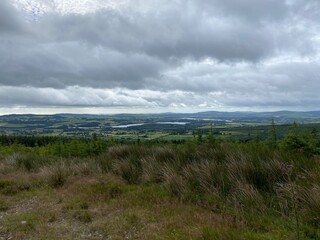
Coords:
58,174
174,182
248,198
243,188
152,170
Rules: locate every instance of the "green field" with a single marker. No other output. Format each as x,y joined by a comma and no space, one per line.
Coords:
177,127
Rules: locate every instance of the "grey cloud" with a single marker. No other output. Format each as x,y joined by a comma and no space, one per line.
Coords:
269,82
66,64
72,96
164,53
307,9
164,33
253,11
57,50
10,20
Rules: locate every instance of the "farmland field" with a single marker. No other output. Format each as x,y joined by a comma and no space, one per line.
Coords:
236,126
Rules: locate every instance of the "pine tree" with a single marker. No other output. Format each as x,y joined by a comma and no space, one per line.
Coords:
273,137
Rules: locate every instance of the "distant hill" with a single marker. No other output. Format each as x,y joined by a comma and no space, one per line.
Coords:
282,116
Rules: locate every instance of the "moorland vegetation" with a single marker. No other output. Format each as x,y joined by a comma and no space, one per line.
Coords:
74,188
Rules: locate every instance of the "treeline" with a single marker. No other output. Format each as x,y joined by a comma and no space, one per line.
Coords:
31,141
305,141
54,146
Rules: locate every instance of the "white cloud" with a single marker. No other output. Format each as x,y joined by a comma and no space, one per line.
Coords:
40,7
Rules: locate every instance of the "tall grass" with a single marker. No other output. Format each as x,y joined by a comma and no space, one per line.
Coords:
248,178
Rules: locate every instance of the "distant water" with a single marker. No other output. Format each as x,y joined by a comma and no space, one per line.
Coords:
173,123
208,119
129,125
141,124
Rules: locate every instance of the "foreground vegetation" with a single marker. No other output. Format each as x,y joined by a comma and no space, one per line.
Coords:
203,189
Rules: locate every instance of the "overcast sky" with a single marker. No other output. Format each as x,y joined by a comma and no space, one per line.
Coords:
105,56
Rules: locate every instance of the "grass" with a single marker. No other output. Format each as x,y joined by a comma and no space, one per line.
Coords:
188,191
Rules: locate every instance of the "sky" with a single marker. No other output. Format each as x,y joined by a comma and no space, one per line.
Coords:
139,56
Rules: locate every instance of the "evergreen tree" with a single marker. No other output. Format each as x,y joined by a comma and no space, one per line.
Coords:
273,137
210,137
